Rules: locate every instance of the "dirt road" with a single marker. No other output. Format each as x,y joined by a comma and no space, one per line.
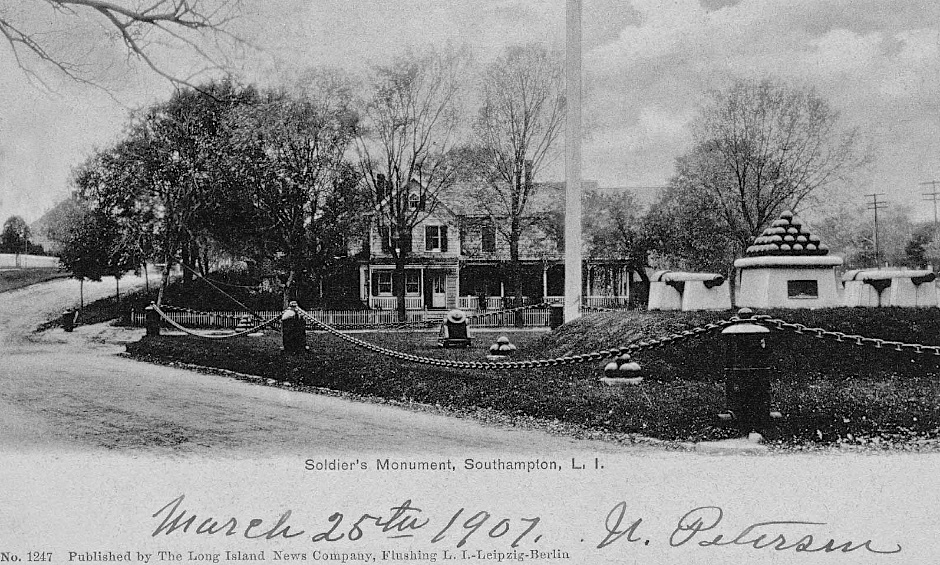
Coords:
71,391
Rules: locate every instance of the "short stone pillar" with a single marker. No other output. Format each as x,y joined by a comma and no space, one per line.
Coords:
68,319
152,320
556,315
747,374
293,330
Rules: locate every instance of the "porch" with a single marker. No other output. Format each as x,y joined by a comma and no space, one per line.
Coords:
425,287
495,303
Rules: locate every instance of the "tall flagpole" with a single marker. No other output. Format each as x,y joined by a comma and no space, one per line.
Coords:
573,163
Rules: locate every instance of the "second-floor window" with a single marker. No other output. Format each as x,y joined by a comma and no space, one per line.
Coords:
389,242
488,239
435,238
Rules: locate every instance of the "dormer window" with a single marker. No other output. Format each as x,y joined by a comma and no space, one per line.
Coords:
414,201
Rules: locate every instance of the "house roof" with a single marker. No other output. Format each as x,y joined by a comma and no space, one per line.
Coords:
440,203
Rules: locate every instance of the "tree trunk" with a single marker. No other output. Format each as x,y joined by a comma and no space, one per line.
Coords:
290,287
146,278
189,254
81,293
117,290
166,279
399,277
732,285
515,269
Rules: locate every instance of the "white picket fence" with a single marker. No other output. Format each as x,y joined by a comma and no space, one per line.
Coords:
497,319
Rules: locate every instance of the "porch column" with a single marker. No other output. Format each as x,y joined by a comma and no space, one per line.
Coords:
544,281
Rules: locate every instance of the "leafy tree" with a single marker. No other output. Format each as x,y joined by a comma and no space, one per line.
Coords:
106,182
915,251
685,230
406,141
519,121
15,234
305,197
932,249
613,230
175,158
86,248
848,229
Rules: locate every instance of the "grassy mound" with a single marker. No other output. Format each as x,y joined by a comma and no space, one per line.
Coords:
829,392
795,356
12,279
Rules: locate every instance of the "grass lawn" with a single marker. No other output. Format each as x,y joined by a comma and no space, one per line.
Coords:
12,279
830,393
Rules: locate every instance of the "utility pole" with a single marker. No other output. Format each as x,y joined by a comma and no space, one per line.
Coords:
932,197
573,189
876,205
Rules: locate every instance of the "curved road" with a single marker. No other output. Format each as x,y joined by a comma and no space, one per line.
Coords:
71,391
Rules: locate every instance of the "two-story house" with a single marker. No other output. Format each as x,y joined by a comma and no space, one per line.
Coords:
459,258
432,252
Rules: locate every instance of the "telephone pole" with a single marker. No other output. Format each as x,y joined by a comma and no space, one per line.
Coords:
932,197
876,205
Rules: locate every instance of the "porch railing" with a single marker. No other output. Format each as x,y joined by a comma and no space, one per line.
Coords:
391,302
492,302
501,302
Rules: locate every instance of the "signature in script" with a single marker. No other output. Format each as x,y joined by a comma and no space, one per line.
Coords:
699,526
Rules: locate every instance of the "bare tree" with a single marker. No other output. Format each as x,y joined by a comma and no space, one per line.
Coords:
519,121
410,125
36,41
762,147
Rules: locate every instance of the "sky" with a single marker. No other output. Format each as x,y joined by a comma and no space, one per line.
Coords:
648,67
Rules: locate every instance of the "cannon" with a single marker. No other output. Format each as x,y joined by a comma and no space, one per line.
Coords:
677,290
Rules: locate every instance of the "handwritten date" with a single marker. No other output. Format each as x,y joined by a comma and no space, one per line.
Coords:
402,521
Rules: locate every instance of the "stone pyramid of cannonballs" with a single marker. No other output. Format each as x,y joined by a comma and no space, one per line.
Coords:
787,235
